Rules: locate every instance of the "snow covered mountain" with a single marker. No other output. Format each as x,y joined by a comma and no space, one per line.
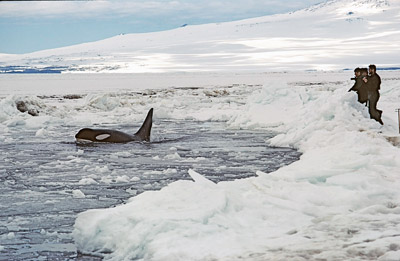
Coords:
335,34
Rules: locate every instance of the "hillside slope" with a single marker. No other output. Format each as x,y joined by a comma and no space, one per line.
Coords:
333,35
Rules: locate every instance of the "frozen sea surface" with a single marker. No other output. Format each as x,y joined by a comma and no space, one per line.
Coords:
339,201
47,179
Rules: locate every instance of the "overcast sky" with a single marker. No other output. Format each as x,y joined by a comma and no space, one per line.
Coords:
29,26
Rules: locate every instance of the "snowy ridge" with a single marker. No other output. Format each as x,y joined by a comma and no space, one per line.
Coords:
339,202
333,35
361,6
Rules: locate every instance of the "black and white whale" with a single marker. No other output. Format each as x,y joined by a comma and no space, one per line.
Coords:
106,135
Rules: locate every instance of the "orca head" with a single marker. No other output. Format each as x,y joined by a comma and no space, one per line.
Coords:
84,135
89,135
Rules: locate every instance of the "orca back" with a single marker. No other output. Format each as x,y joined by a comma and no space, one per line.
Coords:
103,135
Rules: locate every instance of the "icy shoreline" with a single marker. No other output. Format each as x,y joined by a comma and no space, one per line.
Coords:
340,201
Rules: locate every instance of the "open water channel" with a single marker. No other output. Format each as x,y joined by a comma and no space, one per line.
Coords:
46,184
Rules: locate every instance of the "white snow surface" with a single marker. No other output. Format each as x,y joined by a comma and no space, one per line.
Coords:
340,201
332,35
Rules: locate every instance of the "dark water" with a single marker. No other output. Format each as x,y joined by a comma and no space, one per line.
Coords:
40,177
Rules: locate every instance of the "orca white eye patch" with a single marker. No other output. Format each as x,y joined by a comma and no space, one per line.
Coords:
102,136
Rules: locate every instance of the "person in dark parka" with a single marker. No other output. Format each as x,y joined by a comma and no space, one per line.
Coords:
373,84
360,86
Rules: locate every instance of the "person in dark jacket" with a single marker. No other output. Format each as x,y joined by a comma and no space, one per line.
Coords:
357,74
373,84
360,86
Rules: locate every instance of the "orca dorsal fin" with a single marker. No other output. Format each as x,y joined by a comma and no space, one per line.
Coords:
144,132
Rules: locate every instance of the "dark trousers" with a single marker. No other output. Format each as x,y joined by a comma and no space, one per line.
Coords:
374,113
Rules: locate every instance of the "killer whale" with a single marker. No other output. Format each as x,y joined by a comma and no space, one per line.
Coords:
114,136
